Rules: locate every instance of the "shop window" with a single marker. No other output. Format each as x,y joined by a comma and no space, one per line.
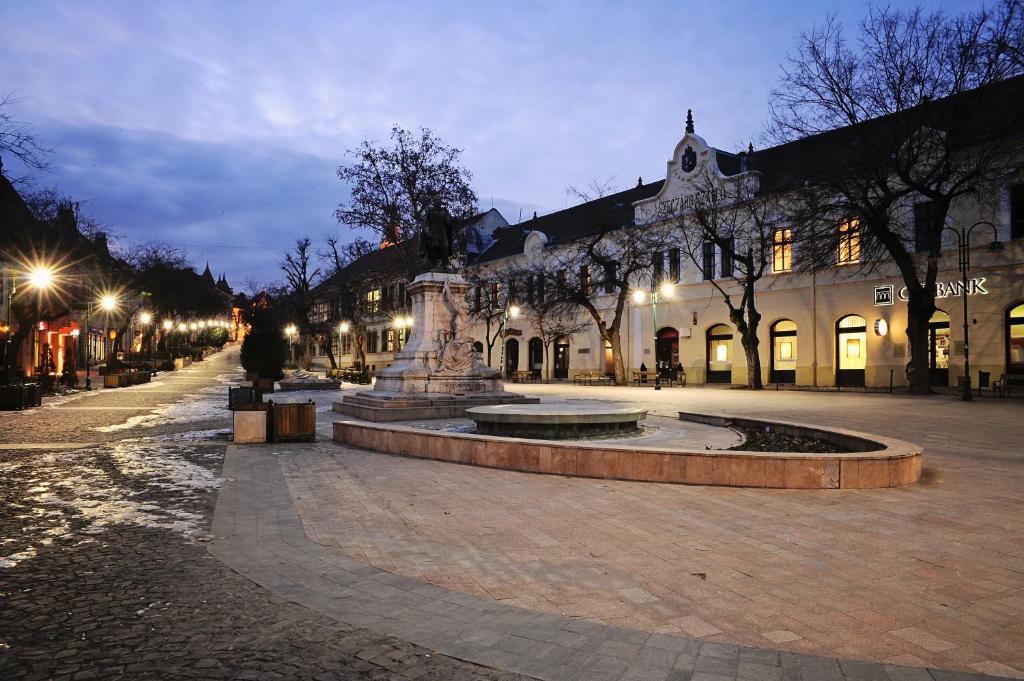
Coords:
1015,339
783,349
782,250
719,354
849,242
851,350
926,223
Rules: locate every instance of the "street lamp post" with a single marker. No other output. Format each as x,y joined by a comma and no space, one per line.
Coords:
963,237
666,290
40,278
290,332
144,319
511,312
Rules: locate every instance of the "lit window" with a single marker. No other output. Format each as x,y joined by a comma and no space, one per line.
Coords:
782,250
373,300
849,241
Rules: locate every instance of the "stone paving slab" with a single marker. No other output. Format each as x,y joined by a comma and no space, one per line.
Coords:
259,533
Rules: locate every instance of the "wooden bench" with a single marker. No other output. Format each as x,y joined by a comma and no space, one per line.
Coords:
1007,383
525,377
591,378
648,378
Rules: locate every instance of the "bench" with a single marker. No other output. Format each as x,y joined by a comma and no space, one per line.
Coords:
591,378
525,377
1007,383
648,377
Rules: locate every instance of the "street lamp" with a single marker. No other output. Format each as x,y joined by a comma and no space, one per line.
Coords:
666,289
511,312
963,237
39,277
145,318
290,331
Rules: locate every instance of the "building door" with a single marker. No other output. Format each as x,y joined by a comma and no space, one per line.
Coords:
536,356
1015,339
938,348
609,360
666,353
562,358
851,351
783,349
719,354
511,357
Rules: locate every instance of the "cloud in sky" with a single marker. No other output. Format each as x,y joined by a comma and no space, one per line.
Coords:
222,123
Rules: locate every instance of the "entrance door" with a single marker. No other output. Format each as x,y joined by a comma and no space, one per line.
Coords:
938,348
609,360
536,356
851,351
719,357
783,349
561,358
666,353
511,357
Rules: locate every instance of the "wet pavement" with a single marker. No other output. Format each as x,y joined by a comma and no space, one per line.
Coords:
105,508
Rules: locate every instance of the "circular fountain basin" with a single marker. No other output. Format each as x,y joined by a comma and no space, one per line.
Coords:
556,421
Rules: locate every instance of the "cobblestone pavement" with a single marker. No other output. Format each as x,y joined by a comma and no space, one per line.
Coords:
105,503
927,575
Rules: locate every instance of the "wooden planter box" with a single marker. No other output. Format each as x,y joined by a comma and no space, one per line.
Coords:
294,422
182,362
23,396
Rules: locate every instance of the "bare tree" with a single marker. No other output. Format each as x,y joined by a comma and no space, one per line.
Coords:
392,187
301,276
597,272
490,299
551,316
921,125
19,140
738,227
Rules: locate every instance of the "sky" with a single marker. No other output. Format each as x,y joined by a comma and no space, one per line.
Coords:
218,127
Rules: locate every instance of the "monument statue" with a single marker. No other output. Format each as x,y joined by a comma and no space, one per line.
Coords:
437,234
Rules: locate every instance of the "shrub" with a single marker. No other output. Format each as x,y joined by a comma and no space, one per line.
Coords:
264,348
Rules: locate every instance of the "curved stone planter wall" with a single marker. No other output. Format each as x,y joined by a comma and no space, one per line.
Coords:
891,464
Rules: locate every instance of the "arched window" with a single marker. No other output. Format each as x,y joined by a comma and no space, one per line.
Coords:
1015,339
719,354
783,349
851,350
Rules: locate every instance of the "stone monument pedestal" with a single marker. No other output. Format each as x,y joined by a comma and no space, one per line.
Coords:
437,374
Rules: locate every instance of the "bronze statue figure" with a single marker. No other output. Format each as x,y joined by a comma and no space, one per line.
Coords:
436,237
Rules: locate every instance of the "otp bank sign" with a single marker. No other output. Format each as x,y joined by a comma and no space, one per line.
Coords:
886,295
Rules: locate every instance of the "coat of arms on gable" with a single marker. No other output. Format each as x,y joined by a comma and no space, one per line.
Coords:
688,160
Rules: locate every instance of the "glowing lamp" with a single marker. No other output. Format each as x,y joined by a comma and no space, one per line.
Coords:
41,277
667,289
722,353
638,296
398,322
343,327
881,327
513,311
168,325
145,317
108,302
408,322
182,328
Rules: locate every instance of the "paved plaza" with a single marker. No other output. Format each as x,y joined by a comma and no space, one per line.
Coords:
137,542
